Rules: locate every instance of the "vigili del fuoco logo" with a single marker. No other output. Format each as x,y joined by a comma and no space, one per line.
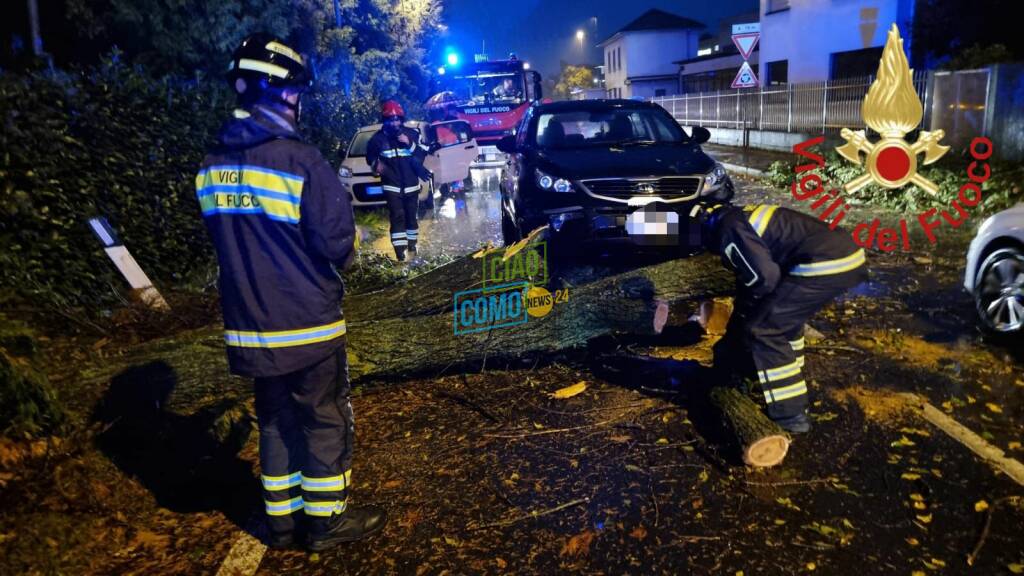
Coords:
892,109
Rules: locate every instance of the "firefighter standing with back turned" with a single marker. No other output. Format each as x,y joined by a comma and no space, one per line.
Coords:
788,266
282,225
395,153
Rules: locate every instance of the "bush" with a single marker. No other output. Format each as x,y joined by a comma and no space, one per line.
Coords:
105,141
28,404
1001,191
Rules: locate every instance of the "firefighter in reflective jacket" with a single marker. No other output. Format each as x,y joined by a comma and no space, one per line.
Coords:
282,225
395,153
788,266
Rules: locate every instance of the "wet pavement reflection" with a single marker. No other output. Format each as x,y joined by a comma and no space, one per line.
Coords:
462,223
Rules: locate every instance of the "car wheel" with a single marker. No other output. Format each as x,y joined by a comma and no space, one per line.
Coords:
999,294
509,231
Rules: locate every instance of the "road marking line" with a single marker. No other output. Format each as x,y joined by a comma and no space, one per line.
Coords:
244,557
957,431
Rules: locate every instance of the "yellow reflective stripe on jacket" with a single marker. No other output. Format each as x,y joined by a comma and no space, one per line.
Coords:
253,339
760,217
250,190
785,392
327,509
827,267
774,374
797,344
285,507
328,483
276,483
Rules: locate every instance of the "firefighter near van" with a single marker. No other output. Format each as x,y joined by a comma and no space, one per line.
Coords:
282,226
788,266
395,153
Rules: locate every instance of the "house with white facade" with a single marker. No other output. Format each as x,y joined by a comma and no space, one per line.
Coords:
814,40
639,58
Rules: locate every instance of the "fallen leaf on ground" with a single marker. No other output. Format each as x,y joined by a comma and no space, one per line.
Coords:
910,476
903,441
639,533
578,545
994,408
980,506
1015,568
570,391
500,562
1013,446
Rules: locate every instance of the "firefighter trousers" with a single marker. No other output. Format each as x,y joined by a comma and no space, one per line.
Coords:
306,432
402,209
765,339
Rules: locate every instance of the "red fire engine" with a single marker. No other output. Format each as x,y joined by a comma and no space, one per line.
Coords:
493,95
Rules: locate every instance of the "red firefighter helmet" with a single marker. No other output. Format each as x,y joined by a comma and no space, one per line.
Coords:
391,108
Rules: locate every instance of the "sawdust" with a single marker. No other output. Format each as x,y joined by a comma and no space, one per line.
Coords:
919,352
878,405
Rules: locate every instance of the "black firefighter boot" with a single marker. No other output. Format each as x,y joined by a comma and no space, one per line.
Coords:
356,523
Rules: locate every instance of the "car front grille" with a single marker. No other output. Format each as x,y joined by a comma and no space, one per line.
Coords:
622,189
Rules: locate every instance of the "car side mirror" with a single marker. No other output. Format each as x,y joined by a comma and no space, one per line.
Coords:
507,144
700,135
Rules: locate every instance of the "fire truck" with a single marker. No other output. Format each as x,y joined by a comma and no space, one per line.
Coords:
493,95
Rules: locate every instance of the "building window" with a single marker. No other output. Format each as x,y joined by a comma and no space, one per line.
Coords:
659,92
855,63
618,58
778,72
776,5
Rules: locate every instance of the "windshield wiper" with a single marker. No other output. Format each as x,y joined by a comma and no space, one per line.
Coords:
634,142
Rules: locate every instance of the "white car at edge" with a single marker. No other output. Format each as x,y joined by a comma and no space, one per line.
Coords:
995,272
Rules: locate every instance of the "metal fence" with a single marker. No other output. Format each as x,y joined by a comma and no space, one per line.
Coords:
813,107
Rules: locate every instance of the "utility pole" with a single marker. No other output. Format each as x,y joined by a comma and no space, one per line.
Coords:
33,20
337,13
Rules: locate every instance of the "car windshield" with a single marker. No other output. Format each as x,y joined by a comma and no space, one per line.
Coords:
358,146
489,88
614,126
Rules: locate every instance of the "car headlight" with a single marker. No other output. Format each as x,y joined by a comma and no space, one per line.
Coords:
549,182
714,179
344,172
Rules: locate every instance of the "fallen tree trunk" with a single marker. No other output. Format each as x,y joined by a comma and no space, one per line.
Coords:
632,302
675,281
761,441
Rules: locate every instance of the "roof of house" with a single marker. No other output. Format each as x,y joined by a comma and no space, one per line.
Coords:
655,19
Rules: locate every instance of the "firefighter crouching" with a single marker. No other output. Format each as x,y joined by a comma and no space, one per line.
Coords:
282,225
788,266
396,154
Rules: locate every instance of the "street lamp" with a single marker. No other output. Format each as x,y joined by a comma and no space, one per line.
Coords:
579,37
526,65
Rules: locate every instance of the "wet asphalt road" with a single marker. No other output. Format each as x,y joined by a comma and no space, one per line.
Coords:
459,225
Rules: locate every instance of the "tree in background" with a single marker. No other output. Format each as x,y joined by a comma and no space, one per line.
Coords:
945,29
573,77
373,50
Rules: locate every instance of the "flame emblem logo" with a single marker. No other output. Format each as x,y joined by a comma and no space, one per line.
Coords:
892,109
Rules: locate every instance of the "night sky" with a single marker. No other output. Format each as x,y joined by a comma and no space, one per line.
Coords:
543,32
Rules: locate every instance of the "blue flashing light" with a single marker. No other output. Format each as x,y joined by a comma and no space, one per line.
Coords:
440,70
453,59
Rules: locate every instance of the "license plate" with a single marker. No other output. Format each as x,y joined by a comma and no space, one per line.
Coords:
648,227
374,190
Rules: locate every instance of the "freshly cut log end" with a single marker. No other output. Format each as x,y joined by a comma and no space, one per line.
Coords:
761,441
767,451
660,316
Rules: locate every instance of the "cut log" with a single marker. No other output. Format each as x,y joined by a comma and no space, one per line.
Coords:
761,441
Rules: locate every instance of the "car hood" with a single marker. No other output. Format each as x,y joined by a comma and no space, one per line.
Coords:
630,161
